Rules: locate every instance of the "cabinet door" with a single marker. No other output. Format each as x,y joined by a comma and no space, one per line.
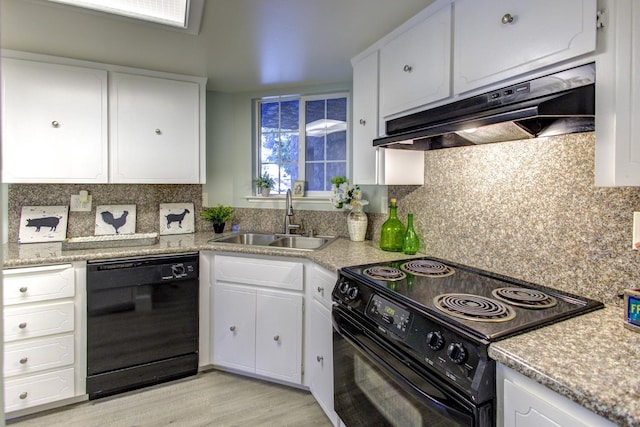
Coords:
30,321
22,285
500,39
234,323
279,335
155,130
365,119
415,65
35,390
54,123
320,369
25,357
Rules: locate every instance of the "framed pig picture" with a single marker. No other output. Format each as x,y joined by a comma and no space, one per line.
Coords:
176,218
43,224
115,219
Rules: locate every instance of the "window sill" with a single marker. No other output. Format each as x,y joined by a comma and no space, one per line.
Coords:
296,200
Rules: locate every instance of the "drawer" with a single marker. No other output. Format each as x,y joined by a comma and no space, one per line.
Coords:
38,355
322,283
35,284
261,272
38,320
38,389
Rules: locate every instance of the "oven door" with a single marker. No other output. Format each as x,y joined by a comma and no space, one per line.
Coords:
377,385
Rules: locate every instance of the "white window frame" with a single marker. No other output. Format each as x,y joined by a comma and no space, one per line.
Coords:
302,135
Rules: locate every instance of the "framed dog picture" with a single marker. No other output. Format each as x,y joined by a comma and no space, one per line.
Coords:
176,218
43,224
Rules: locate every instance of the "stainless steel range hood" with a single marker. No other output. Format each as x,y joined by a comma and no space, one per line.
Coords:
559,103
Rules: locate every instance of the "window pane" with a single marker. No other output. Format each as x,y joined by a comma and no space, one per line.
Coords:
269,116
315,148
290,113
334,169
337,146
270,148
315,111
337,109
289,147
314,175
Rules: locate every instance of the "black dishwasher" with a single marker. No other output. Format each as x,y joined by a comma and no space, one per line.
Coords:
142,322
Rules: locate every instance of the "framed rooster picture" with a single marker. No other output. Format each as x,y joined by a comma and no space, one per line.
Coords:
115,219
176,218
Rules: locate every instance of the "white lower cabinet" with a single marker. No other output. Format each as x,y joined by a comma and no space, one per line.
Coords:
44,345
319,342
257,316
522,402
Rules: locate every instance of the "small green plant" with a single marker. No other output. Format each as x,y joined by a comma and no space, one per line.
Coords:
337,180
218,214
265,181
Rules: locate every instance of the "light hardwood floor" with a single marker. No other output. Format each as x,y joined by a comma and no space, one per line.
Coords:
212,398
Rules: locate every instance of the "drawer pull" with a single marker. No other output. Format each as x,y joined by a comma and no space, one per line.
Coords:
24,360
55,124
23,290
232,328
276,337
319,358
507,18
407,68
320,290
23,395
22,325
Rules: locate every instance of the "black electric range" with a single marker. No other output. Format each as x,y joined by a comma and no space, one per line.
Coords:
444,315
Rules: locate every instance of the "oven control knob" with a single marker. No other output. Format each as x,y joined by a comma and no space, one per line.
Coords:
353,293
343,287
178,270
435,340
457,353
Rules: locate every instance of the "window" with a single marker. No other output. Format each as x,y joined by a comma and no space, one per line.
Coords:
302,138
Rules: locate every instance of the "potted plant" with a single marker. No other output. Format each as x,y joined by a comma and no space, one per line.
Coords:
218,215
265,183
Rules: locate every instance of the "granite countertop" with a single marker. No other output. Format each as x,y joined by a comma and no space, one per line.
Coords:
589,359
586,359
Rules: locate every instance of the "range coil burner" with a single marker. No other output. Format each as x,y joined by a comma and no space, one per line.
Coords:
384,273
525,297
427,268
474,307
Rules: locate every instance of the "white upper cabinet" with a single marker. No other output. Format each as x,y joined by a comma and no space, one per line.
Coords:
618,96
415,64
500,39
54,123
155,130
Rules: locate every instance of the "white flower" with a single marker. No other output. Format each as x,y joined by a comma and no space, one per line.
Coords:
343,194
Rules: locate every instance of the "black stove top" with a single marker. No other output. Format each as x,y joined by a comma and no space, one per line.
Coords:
484,304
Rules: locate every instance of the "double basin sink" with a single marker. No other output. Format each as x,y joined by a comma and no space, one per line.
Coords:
275,240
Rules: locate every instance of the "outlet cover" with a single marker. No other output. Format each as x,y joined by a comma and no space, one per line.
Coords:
636,231
77,206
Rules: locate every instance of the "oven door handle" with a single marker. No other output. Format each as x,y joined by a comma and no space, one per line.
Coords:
409,368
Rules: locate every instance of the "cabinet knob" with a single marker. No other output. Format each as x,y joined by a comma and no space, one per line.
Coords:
55,124
407,68
507,18
363,122
24,360
319,358
23,395
321,290
276,337
23,290
158,132
22,325
232,328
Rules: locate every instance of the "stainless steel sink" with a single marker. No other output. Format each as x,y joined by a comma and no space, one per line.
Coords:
277,241
256,239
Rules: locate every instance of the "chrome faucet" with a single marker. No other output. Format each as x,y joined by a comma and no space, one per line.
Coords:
288,213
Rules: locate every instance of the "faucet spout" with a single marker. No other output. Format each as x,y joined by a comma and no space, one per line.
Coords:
288,213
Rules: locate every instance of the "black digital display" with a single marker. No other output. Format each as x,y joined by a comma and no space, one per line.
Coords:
389,315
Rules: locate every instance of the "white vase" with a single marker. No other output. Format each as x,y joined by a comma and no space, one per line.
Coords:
357,223
265,192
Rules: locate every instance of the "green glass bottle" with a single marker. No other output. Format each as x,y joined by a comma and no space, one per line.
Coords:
392,233
411,242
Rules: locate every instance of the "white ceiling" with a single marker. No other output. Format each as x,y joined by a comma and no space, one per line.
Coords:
243,45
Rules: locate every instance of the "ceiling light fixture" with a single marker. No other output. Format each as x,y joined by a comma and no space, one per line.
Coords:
173,13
